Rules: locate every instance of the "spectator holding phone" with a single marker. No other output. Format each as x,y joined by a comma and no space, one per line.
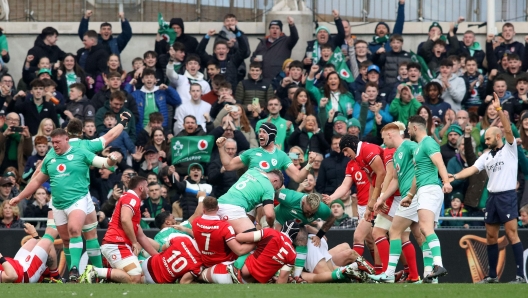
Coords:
15,143
240,122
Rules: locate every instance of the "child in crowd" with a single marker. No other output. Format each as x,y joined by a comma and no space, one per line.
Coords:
41,146
456,210
123,141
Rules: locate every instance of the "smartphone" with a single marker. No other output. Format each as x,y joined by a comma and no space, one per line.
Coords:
293,155
256,101
234,108
16,128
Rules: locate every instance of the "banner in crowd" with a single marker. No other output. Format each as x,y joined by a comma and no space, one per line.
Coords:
195,148
427,76
165,30
339,61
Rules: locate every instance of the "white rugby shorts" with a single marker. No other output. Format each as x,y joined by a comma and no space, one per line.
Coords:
85,204
430,197
316,254
231,212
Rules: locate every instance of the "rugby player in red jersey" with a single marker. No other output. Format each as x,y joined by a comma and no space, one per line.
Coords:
215,237
124,239
31,260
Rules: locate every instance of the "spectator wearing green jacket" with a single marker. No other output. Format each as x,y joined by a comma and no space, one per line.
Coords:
336,95
404,105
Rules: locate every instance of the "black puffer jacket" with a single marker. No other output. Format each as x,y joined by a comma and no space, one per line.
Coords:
221,182
390,62
331,173
96,59
233,61
316,143
248,89
40,49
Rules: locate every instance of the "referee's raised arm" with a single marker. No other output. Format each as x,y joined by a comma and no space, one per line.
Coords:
508,134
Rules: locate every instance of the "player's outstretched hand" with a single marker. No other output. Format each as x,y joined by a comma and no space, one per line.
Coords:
451,177
30,229
327,199
14,201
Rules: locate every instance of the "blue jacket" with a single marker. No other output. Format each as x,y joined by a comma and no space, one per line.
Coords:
370,121
115,45
123,142
398,29
162,97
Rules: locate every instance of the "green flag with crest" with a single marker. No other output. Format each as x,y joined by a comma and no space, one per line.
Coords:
165,31
194,148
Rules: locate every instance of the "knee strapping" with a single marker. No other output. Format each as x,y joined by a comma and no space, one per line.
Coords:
89,227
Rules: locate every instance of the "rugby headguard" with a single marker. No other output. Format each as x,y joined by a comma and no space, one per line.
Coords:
271,130
349,141
291,228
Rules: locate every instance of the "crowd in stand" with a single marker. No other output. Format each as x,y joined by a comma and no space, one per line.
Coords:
180,89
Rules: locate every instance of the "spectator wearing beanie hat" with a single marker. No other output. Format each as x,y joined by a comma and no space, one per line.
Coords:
275,48
354,127
456,210
434,30
313,49
382,31
449,150
343,220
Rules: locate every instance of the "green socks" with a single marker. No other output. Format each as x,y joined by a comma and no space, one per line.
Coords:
434,245
94,252
394,255
67,255
427,258
239,263
300,260
76,248
338,274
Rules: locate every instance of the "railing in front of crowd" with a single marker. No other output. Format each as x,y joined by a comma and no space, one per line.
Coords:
40,219
255,10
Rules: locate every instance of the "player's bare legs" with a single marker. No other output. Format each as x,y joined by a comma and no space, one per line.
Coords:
362,231
242,225
93,248
70,234
399,224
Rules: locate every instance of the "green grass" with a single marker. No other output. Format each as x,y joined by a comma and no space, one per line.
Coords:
269,291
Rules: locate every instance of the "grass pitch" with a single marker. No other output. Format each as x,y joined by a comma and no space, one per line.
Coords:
269,291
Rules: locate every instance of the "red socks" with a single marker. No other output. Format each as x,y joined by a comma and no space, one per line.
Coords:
410,256
383,249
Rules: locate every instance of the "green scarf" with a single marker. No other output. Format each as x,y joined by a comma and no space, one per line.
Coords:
474,47
177,67
12,151
71,78
315,53
417,89
380,40
338,221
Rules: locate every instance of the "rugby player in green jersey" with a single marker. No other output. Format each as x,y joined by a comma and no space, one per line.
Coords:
267,157
428,164
255,188
405,217
75,132
67,169
314,255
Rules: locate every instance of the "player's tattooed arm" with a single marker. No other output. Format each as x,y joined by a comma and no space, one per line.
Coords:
329,222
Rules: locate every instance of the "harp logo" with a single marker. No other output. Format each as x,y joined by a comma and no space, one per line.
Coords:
477,256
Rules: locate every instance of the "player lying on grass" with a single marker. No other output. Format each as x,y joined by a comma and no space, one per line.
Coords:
31,260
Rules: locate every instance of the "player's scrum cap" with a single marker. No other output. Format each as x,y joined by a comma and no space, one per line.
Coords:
271,130
291,228
349,141
313,200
